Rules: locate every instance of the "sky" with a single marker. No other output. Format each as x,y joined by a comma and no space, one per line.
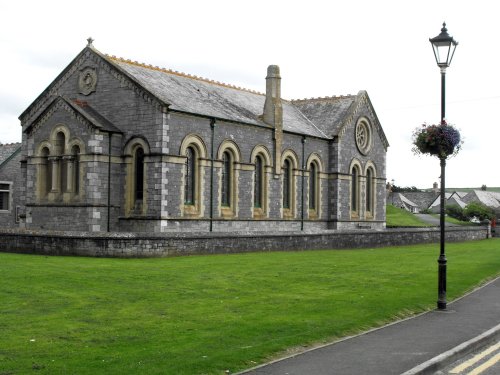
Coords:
323,48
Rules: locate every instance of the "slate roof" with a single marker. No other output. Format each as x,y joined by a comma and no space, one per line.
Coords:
326,113
85,110
321,118
92,115
407,201
487,198
437,201
8,151
314,117
422,199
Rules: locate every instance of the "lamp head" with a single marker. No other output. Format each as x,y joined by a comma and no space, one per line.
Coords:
443,46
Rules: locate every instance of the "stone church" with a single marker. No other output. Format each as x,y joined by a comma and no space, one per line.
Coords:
116,145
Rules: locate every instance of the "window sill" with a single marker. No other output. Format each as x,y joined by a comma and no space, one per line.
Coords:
190,211
259,213
313,214
288,214
227,212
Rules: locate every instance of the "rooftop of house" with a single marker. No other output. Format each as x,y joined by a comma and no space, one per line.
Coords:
7,151
318,117
324,118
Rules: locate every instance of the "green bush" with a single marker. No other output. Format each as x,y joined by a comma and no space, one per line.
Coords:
456,212
478,210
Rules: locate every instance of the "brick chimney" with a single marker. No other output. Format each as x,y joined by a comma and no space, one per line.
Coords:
273,111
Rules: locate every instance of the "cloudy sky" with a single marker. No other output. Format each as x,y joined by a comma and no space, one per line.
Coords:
323,48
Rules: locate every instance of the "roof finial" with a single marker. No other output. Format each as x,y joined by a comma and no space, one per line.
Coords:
89,42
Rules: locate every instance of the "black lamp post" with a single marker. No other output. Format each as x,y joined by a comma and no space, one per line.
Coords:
444,49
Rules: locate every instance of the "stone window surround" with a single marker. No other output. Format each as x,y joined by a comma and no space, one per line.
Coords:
130,151
363,135
61,186
194,209
262,152
370,189
290,213
355,190
8,193
230,147
314,159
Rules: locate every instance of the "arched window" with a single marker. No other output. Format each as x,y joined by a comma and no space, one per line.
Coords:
258,192
354,189
369,190
45,173
75,153
226,179
60,167
287,184
139,175
313,184
190,177
194,152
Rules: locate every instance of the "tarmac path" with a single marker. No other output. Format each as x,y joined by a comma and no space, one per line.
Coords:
430,219
402,346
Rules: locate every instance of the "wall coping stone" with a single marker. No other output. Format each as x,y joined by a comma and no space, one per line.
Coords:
135,245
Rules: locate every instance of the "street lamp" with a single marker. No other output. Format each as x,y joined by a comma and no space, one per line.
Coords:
444,49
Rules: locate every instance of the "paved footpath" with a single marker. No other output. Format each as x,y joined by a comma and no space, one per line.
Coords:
400,347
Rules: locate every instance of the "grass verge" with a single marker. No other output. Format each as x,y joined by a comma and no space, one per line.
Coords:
209,314
397,217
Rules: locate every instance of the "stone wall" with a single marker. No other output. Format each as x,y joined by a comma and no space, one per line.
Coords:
126,245
10,175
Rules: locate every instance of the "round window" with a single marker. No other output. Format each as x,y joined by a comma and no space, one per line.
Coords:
363,137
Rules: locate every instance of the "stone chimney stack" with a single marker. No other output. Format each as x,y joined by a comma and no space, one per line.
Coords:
435,187
273,111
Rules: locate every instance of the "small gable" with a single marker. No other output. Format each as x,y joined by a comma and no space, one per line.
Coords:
79,110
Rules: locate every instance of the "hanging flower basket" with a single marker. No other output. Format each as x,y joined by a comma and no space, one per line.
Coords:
438,140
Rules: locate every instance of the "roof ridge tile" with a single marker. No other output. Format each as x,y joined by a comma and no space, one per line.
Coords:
334,97
180,74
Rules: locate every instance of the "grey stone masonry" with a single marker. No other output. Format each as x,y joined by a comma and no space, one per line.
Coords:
114,145
11,187
129,245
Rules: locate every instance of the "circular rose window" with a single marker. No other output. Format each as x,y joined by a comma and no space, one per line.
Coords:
363,137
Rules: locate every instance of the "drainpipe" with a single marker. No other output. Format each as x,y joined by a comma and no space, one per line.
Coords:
212,127
302,194
110,135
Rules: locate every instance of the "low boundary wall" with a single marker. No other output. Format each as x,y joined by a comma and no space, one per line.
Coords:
128,245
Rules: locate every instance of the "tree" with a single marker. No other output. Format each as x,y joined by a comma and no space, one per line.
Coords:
483,187
404,189
479,211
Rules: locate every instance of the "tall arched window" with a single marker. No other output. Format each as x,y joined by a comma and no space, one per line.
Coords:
369,190
191,195
45,173
258,192
190,177
226,179
60,179
287,184
139,175
75,153
354,189
313,183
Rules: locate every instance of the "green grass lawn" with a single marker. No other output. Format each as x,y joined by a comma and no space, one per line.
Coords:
209,314
397,217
